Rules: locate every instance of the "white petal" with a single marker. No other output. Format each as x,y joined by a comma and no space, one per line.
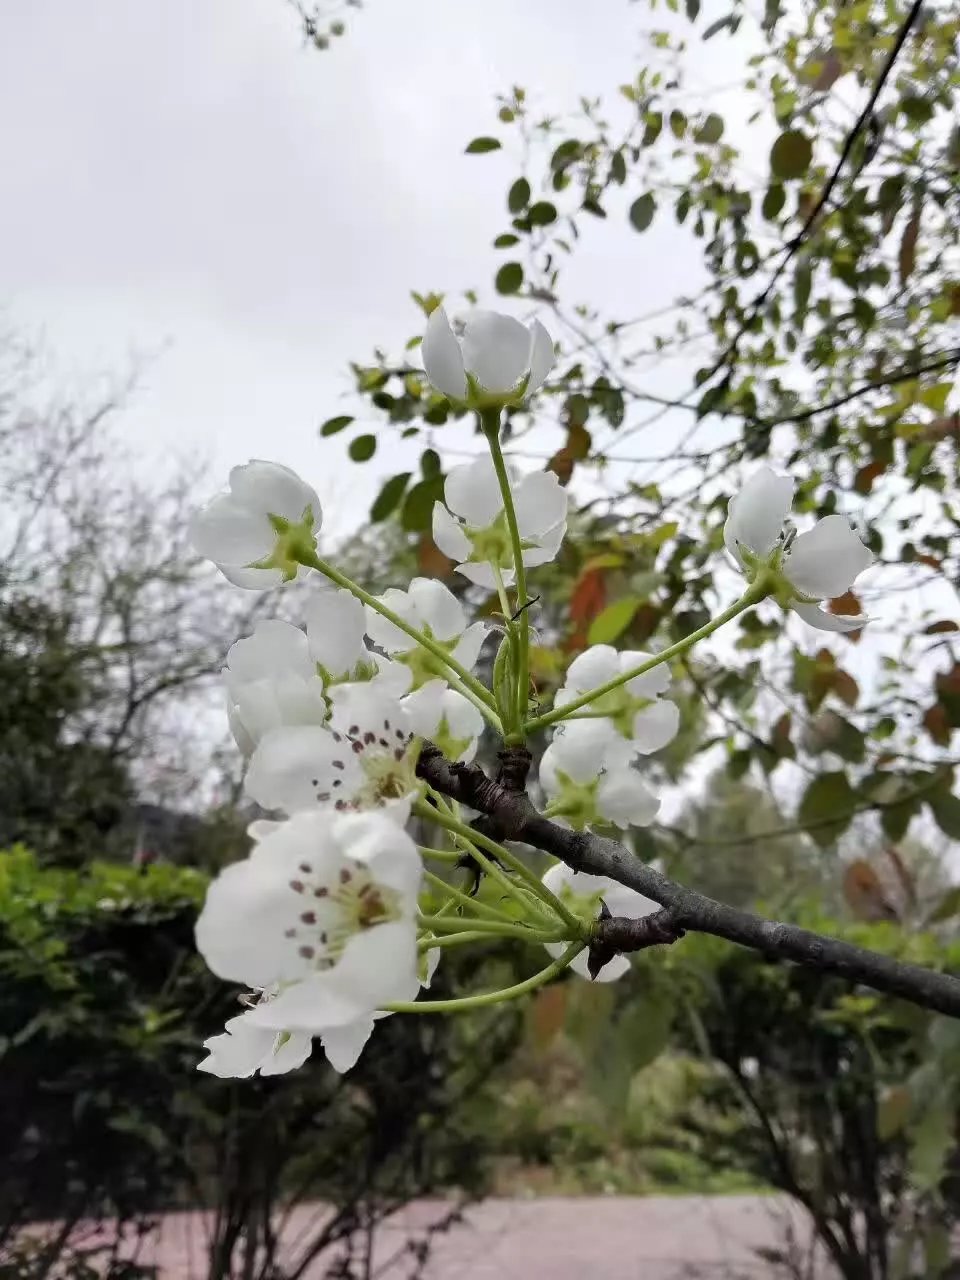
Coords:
469,645
253,579
576,754
592,737
386,634
548,544
274,648
448,534
344,1045
496,350
290,1051
438,608
462,717
273,489
442,357
824,561
814,616
623,901
424,708
542,356
244,740
653,682
593,667
625,800
541,504
295,767
263,705
393,679
378,966
481,574
243,930
655,726
756,514
228,533
473,492
336,623
386,850
239,1051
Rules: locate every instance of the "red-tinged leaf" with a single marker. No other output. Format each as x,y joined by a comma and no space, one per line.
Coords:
548,1014
907,254
846,606
937,724
576,448
930,561
865,894
863,480
940,628
431,561
846,688
587,601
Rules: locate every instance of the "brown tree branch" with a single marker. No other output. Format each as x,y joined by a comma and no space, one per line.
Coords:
511,816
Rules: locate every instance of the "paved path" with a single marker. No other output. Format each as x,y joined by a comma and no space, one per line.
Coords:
611,1238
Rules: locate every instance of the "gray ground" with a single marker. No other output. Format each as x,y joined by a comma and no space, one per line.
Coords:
612,1238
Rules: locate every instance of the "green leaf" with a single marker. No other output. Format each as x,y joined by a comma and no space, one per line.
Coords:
417,514
506,241
791,154
509,278
542,213
711,130
618,168
642,211
363,448
479,145
430,463
333,425
932,1142
678,123
773,202
388,499
945,808
613,621
826,809
518,197
653,123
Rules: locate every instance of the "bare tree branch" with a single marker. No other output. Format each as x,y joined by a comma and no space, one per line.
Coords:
511,816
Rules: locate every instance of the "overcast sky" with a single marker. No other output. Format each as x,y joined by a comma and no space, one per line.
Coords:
187,182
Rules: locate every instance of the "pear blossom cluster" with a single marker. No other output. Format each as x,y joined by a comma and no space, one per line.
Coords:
329,924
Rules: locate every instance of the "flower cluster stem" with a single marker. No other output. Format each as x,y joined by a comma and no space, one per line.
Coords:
486,998
531,881
490,422
465,683
756,592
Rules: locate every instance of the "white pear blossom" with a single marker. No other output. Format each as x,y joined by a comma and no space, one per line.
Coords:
446,717
817,565
271,680
321,918
635,711
365,758
433,609
244,1048
252,532
584,893
586,786
496,360
472,528
336,623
